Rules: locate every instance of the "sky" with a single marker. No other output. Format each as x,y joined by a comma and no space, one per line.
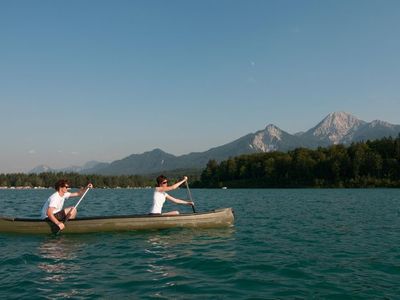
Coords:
101,80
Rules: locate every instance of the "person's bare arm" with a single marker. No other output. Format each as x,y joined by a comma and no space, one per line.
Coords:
172,187
81,191
179,201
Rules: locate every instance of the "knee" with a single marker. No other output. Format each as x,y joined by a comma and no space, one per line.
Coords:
71,211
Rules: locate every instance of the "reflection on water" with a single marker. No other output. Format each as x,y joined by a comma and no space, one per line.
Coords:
160,243
58,258
177,237
174,256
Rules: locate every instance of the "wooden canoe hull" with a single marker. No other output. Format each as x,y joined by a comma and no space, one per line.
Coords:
216,218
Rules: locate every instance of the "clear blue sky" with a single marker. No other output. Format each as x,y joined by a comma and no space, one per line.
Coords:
100,80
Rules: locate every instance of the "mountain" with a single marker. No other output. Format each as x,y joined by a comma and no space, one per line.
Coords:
89,165
344,128
71,169
336,128
376,130
42,169
270,139
148,162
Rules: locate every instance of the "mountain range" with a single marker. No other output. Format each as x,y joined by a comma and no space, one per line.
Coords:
336,128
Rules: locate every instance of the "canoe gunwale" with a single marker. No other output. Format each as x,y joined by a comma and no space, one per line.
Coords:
134,216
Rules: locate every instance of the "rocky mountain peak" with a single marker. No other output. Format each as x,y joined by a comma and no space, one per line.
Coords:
336,126
267,140
273,131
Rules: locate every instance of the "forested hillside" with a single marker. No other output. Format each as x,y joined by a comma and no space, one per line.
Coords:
364,164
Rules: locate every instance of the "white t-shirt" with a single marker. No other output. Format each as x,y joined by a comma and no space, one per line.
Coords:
55,201
158,202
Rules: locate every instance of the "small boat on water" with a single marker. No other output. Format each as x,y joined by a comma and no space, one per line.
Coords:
216,218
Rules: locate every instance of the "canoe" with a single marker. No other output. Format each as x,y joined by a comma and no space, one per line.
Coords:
216,218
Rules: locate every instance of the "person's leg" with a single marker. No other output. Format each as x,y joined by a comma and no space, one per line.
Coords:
72,210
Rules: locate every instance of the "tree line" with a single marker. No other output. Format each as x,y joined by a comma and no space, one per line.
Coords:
363,164
48,179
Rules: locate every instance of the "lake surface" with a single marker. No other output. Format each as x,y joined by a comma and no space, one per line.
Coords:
286,243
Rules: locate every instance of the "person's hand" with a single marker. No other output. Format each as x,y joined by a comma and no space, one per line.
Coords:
190,203
185,178
61,225
90,186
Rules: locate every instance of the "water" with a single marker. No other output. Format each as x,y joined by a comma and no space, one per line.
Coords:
302,244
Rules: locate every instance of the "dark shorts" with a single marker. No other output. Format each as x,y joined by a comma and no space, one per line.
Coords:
60,216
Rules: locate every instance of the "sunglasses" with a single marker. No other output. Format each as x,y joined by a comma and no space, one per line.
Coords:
164,182
66,186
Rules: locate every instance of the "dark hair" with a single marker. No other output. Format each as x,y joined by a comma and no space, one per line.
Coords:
160,179
61,183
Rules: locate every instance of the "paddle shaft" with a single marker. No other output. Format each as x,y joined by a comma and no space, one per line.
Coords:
76,206
190,196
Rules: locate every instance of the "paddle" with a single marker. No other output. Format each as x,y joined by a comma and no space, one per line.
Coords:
75,207
190,196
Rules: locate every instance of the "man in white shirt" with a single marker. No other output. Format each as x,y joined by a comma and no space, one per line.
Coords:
53,207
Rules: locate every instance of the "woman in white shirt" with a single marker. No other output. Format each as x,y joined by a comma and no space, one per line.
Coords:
160,195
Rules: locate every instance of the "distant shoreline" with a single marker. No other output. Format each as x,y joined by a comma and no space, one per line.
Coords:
24,188
49,188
